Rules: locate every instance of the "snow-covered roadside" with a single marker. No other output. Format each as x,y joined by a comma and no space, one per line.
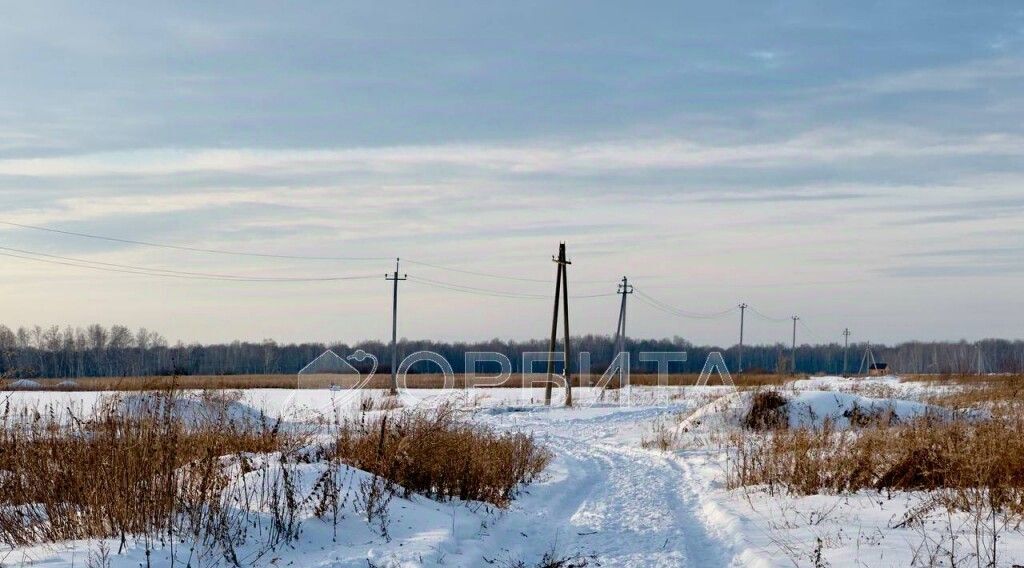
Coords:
605,497
863,529
866,528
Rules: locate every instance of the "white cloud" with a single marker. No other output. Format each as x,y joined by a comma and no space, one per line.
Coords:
817,146
958,77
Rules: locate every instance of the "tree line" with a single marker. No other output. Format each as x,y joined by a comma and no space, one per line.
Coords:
96,351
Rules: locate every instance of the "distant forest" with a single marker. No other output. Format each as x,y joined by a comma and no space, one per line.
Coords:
118,351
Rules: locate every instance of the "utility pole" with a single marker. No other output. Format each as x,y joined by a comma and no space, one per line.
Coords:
565,314
846,348
394,326
868,362
743,311
561,289
793,364
620,332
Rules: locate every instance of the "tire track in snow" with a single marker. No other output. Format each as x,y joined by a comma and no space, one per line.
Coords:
622,504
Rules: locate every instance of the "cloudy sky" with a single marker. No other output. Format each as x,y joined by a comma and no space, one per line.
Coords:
859,164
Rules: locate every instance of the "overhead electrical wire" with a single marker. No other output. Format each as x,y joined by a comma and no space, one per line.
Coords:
476,273
698,315
662,306
229,252
496,276
47,258
809,331
497,293
190,248
149,271
474,289
767,318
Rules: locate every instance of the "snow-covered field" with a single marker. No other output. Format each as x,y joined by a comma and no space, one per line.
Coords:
609,497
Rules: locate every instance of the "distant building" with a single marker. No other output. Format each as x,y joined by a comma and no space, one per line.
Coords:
878,369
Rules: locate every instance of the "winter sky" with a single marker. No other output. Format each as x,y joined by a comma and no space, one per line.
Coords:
860,164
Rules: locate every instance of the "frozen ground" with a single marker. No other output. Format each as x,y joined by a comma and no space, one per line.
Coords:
605,497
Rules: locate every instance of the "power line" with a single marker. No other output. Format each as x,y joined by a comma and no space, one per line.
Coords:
473,290
476,273
810,331
651,304
182,274
767,318
229,252
668,310
658,304
189,248
161,272
165,272
496,276
495,293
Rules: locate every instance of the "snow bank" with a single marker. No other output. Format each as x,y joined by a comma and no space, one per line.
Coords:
844,383
23,384
194,409
814,408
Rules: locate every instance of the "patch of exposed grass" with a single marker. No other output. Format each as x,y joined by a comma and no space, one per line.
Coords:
436,454
963,458
118,472
767,411
164,466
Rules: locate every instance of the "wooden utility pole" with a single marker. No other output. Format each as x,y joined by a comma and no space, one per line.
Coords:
561,290
620,332
743,313
394,326
624,289
792,367
846,348
565,313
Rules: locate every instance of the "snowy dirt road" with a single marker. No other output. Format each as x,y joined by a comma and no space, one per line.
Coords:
606,497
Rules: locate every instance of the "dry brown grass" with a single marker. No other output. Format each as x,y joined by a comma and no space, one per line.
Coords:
965,472
962,379
1001,396
767,411
380,381
118,472
971,469
164,467
436,454
925,454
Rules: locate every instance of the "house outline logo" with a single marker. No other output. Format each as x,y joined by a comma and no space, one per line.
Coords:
330,363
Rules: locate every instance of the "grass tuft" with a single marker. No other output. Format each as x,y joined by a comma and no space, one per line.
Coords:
436,454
